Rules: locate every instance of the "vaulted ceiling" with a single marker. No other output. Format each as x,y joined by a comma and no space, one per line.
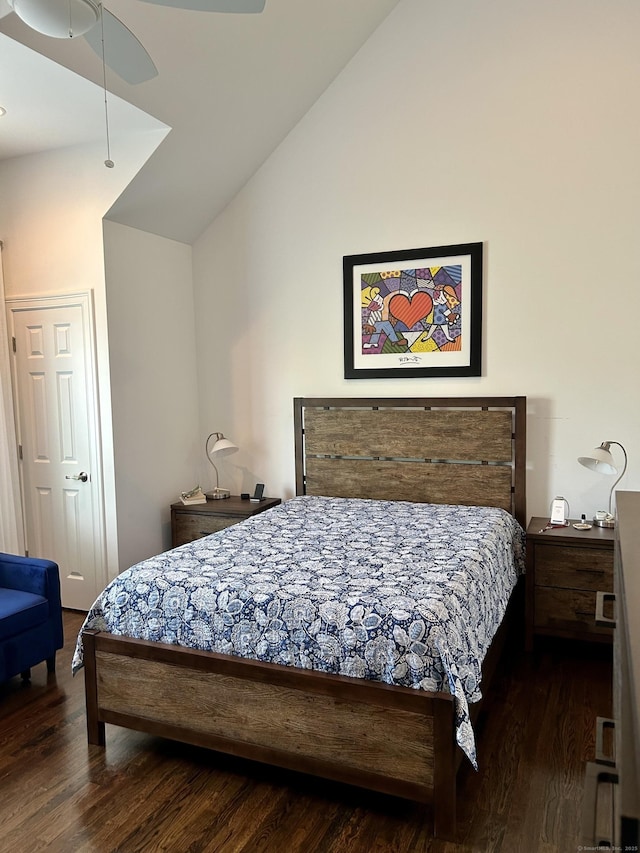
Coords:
229,86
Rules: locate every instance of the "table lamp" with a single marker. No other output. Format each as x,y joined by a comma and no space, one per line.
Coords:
602,461
221,447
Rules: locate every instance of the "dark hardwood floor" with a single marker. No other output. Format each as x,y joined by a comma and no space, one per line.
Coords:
145,794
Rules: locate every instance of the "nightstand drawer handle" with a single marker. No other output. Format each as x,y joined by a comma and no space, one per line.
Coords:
594,834
603,621
603,723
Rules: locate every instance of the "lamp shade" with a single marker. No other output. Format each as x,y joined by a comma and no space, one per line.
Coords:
600,460
222,447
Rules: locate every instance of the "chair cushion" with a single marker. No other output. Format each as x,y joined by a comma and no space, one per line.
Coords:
20,611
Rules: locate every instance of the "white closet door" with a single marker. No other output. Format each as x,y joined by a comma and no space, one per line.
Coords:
57,414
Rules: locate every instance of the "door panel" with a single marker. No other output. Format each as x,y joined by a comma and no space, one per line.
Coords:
58,432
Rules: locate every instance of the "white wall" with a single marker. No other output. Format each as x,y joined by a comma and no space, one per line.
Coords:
153,384
51,209
504,122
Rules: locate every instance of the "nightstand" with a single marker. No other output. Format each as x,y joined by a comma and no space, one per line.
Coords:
565,569
193,521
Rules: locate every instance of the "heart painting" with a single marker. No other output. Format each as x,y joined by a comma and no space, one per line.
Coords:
414,312
410,309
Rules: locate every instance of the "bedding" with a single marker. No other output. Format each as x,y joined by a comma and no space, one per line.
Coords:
410,594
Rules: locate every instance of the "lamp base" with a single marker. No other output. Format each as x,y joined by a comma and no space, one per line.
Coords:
608,521
218,494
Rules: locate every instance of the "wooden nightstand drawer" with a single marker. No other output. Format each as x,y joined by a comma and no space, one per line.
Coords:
193,522
567,610
574,568
190,526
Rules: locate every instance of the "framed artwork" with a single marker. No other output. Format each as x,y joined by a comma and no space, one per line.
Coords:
416,312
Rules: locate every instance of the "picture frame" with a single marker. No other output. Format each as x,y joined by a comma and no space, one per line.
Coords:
414,312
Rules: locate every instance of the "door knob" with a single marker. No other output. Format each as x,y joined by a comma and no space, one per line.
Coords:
81,476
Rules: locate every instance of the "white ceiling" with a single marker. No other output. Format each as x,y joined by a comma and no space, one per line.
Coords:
230,86
50,107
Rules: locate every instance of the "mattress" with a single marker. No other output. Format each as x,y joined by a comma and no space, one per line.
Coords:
409,594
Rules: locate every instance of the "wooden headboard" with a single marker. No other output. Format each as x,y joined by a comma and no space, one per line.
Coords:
459,450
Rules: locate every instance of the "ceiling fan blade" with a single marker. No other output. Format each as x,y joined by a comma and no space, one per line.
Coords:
123,53
212,5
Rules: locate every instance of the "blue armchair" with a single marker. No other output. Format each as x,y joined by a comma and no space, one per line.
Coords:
30,615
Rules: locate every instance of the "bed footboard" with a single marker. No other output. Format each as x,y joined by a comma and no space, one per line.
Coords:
394,740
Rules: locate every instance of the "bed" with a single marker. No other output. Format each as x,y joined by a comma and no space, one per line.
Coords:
314,700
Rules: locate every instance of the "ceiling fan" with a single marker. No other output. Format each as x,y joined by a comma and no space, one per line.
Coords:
124,54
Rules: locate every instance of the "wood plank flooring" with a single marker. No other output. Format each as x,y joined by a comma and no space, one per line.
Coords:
145,794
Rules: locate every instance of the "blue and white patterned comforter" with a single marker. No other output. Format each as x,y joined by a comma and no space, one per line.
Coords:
405,593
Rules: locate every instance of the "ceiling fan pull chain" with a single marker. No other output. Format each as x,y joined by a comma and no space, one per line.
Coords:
108,162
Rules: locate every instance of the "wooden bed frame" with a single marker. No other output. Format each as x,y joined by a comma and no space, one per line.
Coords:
461,450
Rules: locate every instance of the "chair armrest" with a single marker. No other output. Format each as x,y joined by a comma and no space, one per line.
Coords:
31,574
